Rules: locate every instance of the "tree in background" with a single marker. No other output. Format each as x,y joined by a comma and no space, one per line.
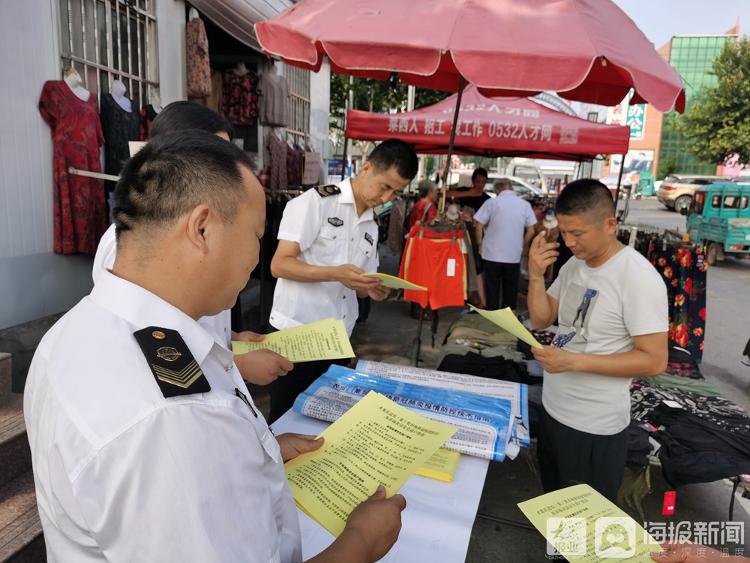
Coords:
667,167
717,125
374,95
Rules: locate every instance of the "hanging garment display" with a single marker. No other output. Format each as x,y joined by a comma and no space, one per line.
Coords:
119,127
435,260
239,101
395,239
274,103
197,60
214,98
148,114
295,162
278,150
80,215
312,173
684,271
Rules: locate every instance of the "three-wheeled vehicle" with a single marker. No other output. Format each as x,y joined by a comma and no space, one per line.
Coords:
719,218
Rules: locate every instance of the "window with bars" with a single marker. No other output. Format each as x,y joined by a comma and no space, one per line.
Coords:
298,80
107,40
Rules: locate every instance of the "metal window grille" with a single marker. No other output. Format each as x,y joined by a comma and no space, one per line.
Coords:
106,40
298,80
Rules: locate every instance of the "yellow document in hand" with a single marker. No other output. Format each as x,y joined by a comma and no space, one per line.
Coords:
322,340
585,526
396,283
441,466
376,442
505,319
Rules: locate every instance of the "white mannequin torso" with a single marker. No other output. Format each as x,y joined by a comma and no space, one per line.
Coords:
156,102
118,93
74,82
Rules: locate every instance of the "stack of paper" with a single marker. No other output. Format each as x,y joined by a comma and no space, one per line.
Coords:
484,424
516,393
441,466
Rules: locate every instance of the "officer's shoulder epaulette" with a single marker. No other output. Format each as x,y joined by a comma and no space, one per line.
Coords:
171,362
330,189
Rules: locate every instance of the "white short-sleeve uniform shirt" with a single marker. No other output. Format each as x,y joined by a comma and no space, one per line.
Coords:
125,474
329,233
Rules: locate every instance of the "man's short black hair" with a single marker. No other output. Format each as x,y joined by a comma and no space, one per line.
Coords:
479,172
175,172
397,154
585,196
182,115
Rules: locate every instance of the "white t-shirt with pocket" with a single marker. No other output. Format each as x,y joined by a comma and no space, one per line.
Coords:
600,311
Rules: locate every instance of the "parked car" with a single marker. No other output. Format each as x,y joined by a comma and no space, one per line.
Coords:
719,219
521,187
677,191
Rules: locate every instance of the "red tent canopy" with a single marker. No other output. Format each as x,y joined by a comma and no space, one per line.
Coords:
493,127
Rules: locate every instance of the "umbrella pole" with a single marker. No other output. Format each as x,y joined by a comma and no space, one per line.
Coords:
343,160
447,170
619,180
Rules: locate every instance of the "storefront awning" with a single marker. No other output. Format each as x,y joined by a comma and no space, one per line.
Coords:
238,17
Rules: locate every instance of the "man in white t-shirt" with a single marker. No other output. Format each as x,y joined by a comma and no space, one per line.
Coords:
504,224
611,308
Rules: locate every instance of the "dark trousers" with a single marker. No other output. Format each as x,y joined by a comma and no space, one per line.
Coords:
501,277
570,457
285,389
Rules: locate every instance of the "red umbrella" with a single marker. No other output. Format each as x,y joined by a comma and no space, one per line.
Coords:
586,50
492,127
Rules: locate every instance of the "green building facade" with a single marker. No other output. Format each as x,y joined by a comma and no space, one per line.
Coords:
693,58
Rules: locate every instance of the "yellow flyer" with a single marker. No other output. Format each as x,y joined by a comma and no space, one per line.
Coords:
505,319
586,527
396,283
441,466
322,340
375,442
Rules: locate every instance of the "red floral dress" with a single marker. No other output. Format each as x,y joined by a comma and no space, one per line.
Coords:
684,271
80,213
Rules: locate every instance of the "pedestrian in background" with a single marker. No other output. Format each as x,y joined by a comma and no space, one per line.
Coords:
503,224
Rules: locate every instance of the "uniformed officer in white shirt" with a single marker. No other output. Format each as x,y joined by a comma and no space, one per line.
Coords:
260,367
328,240
146,445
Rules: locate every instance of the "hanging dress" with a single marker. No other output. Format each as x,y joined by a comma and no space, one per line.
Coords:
80,215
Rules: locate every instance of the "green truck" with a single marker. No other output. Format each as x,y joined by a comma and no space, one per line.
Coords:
719,219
